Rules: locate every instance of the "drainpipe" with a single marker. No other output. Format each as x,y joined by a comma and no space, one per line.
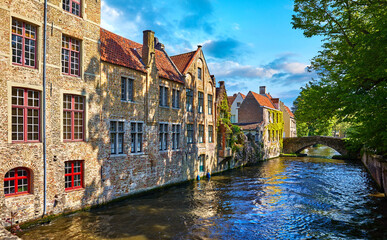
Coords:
44,110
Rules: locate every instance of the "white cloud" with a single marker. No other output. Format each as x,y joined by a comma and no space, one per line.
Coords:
233,69
294,67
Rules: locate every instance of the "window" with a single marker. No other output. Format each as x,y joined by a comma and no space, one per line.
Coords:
17,181
232,119
23,44
175,136
189,100
163,97
73,117
190,133
117,132
175,98
136,135
210,102
126,89
73,175
25,115
201,133
238,104
199,73
210,133
269,137
163,136
72,6
201,163
70,56
200,102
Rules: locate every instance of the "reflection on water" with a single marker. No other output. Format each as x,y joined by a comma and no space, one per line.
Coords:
284,198
320,151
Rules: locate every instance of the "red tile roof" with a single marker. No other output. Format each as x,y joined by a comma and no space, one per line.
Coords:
262,100
124,52
182,61
243,96
290,112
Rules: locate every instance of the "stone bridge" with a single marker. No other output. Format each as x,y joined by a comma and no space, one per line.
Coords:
297,144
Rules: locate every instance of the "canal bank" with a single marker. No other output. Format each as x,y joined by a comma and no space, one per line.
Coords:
377,167
283,198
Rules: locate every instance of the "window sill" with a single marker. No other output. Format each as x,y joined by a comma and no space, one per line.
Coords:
19,195
174,108
127,101
118,155
166,107
24,142
24,67
137,154
73,141
74,190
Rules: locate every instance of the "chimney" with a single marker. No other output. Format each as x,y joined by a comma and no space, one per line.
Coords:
158,45
262,90
221,84
148,47
235,95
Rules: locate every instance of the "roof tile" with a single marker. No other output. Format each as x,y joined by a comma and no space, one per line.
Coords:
263,100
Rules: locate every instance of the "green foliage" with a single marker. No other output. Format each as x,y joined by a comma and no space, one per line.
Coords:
352,68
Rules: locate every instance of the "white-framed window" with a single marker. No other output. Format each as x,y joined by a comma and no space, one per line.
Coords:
176,136
201,133
190,133
200,102
175,98
189,100
210,102
232,119
210,133
117,132
163,136
126,89
136,132
163,96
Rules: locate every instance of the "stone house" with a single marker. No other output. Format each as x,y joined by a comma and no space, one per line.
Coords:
121,117
235,102
290,126
260,113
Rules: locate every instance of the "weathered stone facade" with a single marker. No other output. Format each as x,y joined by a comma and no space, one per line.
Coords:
105,176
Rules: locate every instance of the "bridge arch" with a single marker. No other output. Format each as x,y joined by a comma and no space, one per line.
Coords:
297,144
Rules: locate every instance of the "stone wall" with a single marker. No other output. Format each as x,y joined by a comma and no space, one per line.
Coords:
377,167
295,145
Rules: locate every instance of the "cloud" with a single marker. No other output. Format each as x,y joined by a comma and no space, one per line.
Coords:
231,69
222,48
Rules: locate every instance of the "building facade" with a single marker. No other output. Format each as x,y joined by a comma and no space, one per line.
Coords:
290,125
235,102
259,116
121,117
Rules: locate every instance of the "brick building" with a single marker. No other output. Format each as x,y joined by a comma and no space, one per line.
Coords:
259,114
121,117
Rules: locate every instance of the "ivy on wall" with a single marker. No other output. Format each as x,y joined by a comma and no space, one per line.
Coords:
276,125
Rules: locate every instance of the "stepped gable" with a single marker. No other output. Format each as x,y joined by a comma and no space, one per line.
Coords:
124,52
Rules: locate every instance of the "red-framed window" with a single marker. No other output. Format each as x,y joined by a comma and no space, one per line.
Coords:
73,117
71,56
17,181
73,175
23,44
25,115
72,6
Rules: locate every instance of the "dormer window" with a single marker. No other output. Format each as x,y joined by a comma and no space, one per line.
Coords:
72,6
199,73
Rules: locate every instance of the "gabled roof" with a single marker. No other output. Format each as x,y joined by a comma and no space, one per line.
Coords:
243,96
124,52
263,100
231,99
182,61
290,112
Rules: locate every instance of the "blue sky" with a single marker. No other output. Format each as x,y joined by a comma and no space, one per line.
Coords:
247,43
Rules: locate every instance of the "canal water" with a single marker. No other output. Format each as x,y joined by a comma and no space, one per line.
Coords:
284,198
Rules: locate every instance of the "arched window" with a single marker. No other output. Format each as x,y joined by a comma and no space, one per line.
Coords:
17,181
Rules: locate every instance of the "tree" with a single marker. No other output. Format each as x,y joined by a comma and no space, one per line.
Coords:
352,66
